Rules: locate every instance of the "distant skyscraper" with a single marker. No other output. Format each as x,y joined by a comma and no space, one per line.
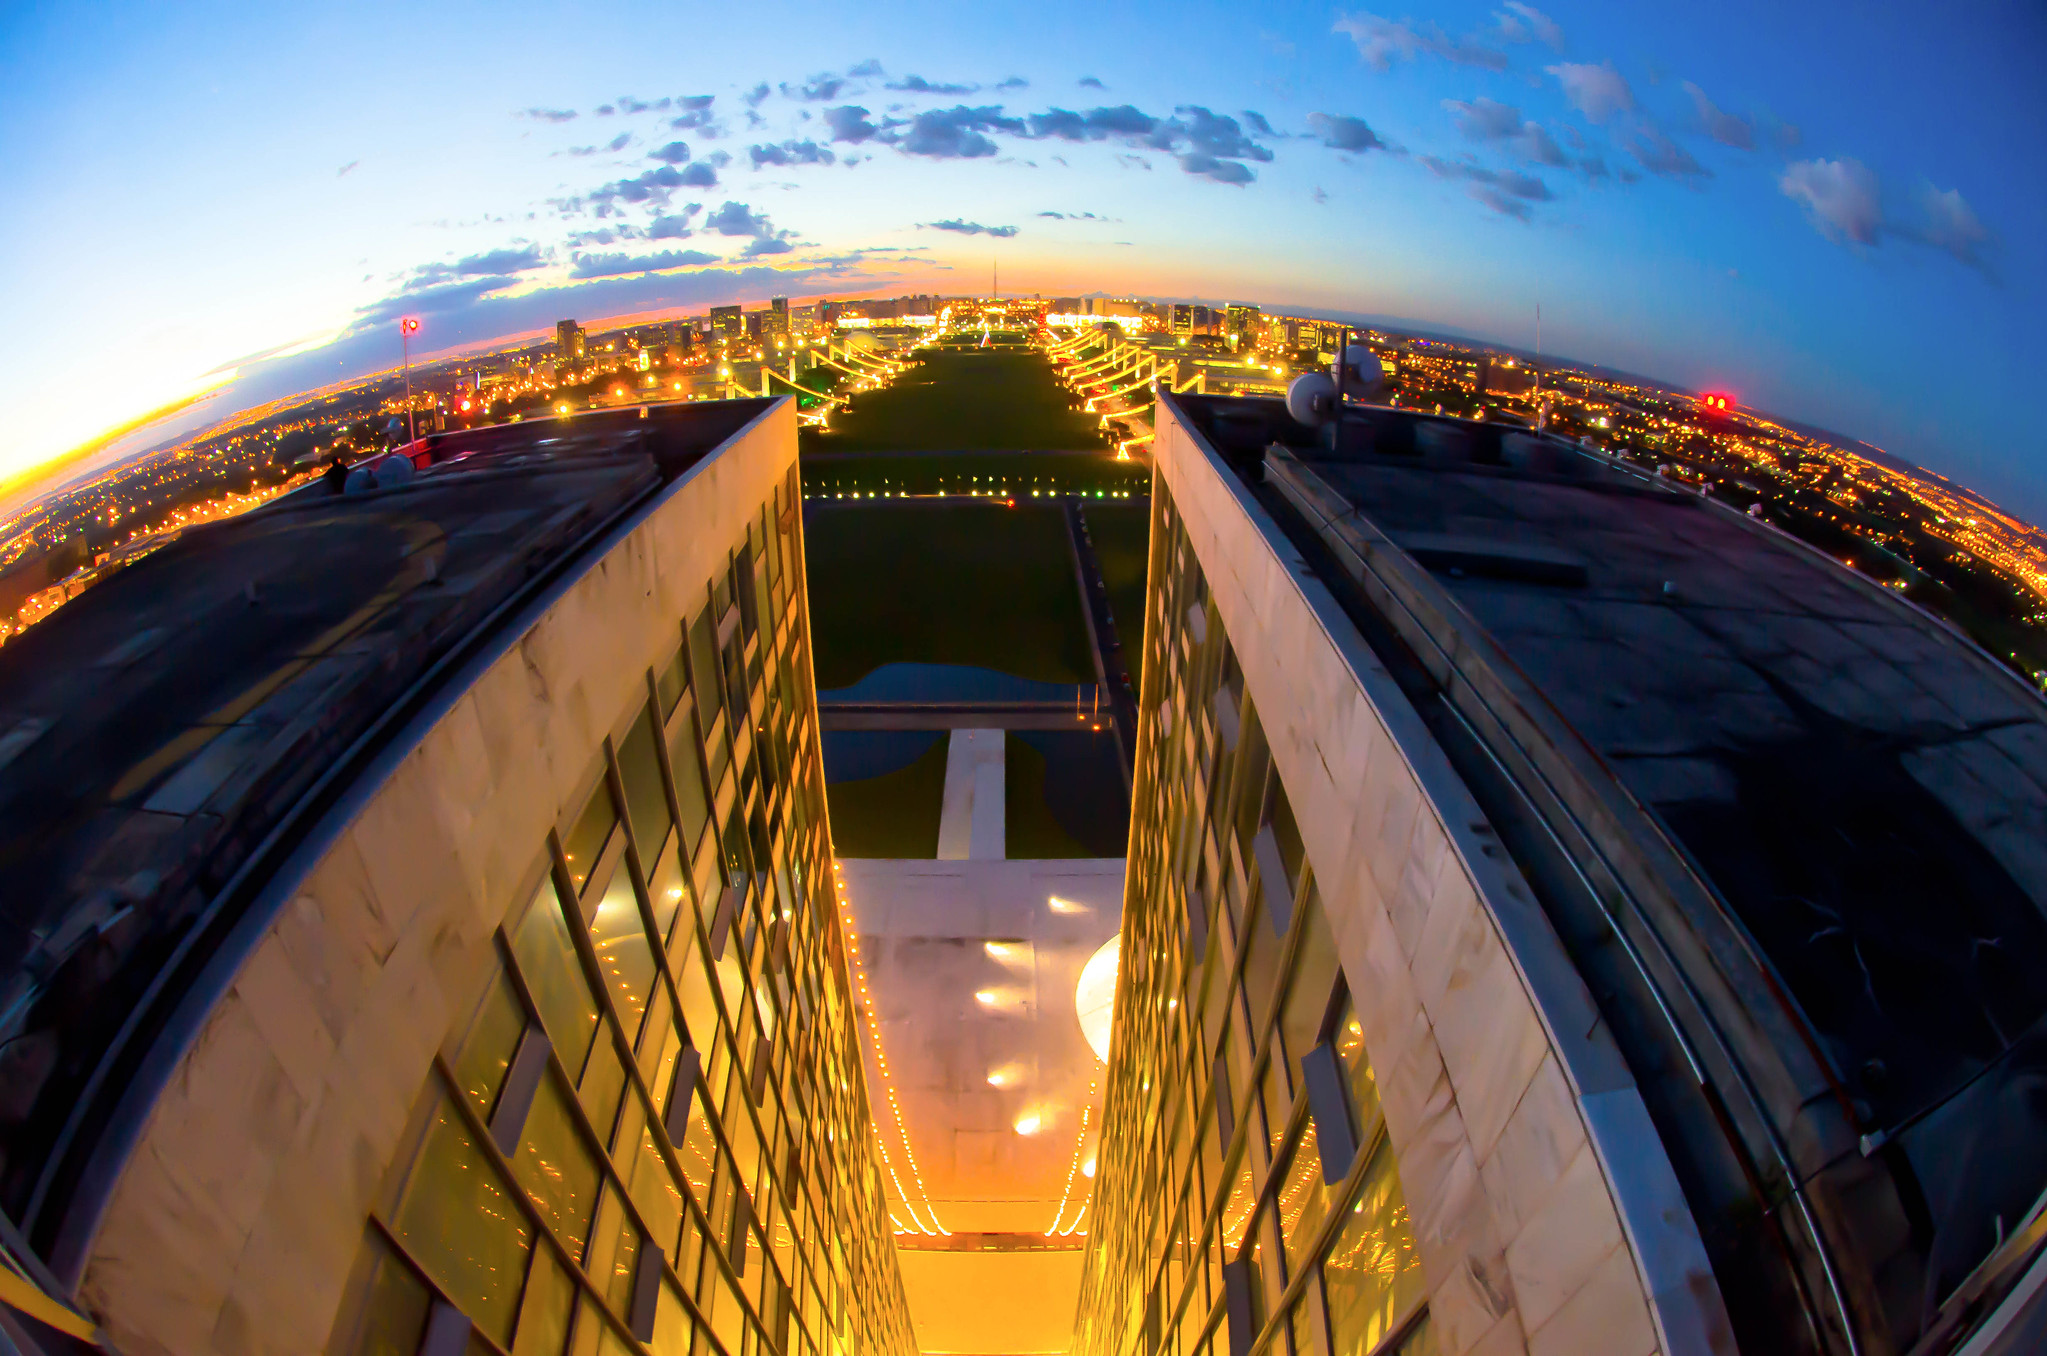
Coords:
776,321
568,341
728,325
1183,318
1240,322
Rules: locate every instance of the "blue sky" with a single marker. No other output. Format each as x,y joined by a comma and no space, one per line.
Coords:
1832,213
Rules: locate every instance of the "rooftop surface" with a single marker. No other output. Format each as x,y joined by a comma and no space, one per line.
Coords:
167,738
1861,790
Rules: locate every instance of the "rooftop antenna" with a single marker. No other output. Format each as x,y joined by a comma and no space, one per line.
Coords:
994,281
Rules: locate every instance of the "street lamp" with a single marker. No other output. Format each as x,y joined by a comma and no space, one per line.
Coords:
406,329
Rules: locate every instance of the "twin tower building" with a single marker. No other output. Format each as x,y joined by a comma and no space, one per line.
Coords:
1561,915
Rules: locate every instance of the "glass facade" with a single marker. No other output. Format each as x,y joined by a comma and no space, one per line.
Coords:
652,1134
1247,1200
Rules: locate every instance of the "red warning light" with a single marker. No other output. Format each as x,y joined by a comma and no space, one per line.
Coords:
410,325
465,407
1719,404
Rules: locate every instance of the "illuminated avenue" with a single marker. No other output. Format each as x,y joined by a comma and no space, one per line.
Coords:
1946,548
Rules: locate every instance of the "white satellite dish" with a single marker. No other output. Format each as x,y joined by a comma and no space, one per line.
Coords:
1311,399
1364,377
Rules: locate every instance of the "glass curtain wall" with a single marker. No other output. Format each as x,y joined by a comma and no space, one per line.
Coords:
1248,1201
652,1134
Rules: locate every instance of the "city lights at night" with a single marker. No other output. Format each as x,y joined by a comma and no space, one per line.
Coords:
1102,681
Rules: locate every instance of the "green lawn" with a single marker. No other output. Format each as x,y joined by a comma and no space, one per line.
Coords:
964,400
1122,537
893,815
1029,830
944,583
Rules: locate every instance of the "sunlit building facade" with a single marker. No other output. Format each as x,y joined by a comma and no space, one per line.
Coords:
506,1009
1525,860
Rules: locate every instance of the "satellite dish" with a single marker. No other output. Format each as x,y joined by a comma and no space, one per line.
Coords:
1364,377
1311,399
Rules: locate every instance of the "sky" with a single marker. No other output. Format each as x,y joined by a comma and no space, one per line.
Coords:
1832,213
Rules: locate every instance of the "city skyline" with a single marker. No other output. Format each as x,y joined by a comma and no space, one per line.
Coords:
1859,275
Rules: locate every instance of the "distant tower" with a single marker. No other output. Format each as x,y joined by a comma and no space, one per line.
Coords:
568,341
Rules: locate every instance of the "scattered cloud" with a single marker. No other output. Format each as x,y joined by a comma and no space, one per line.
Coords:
674,225
1489,120
619,142
968,228
955,133
431,300
1208,144
736,218
693,113
499,264
1949,223
752,98
502,261
1381,42
652,186
549,114
1075,216
604,110
1841,197
766,244
1525,23
1658,154
1085,82
1258,124
917,84
674,153
1508,192
1599,92
849,122
616,265
1014,82
346,168
1342,133
1845,202
790,153
628,104
1723,127
865,70
815,90
1096,124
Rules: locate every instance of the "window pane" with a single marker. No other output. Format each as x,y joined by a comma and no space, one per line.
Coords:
602,1083
703,663
666,890
555,1166
457,1217
623,954
1304,1202
488,1049
544,1314
654,1192
394,1307
1372,1276
1364,1088
669,683
1237,1209
686,763
639,770
554,976
585,843
672,1326
1307,998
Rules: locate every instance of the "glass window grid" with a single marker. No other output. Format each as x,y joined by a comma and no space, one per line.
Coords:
808,1287
1170,1034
